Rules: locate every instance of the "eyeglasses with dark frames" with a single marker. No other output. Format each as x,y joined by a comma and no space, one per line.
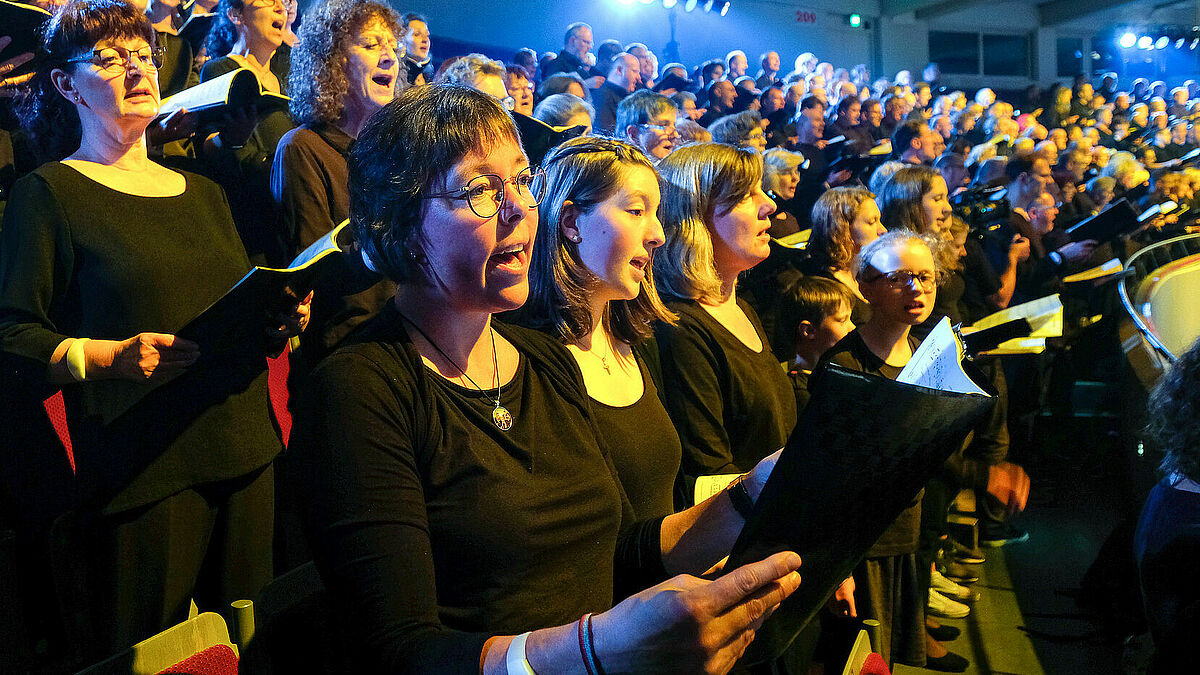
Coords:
925,281
119,60
485,193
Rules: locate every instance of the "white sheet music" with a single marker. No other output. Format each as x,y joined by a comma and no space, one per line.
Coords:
937,363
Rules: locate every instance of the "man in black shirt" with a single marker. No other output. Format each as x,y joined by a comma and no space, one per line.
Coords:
721,97
575,56
913,143
768,76
622,79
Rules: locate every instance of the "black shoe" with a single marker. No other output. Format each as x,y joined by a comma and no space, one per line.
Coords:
943,633
1002,536
950,663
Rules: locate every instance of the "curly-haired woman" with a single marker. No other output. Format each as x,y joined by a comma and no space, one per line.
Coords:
1168,534
346,66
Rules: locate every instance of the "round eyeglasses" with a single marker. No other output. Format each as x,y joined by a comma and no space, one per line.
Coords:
485,193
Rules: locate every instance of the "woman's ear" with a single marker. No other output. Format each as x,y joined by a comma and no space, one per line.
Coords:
234,16
65,84
568,221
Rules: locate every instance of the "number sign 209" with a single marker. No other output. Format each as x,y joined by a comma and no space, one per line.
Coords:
805,17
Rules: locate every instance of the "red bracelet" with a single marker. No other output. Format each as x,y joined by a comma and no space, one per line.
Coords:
595,660
583,644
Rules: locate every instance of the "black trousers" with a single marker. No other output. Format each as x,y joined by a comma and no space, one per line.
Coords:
211,543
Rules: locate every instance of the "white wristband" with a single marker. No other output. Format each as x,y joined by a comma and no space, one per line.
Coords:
77,360
514,658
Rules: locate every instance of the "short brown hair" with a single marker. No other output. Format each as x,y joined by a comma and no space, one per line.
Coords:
76,27
401,151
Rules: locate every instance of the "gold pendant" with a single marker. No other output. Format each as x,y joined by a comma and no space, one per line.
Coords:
502,418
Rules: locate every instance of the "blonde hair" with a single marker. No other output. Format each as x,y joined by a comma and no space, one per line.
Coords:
832,216
696,181
777,162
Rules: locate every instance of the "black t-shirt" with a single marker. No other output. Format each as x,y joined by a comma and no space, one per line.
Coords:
731,405
902,535
432,528
644,447
1167,546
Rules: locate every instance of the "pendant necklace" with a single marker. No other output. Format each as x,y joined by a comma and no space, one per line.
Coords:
500,415
603,359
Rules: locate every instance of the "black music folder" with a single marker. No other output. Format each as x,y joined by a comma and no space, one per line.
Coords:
861,452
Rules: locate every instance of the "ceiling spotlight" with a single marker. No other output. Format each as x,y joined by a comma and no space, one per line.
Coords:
647,2
1128,40
689,5
724,7
1145,42
708,5
668,4
1179,43
1162,42
1194,43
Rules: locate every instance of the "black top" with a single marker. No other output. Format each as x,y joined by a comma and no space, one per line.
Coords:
432,528
901,537
245,173
79,259
644,447
178,72
799,378
606,99
1167,546
732,406
980,282
310,182
812,183
566,62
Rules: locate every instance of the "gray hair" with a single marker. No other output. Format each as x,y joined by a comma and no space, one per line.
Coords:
467,70
558,109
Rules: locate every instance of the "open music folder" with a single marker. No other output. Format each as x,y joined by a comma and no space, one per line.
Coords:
862,450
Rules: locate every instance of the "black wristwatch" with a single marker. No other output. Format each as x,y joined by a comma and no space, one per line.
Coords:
739,496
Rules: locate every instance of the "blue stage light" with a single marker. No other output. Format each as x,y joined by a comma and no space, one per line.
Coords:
1128,40
1145,42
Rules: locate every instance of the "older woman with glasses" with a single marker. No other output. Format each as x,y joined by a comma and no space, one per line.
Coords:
105,256
460,506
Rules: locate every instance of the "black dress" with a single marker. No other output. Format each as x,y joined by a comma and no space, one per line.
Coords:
435,530
890,582
157,466
310,182
731,405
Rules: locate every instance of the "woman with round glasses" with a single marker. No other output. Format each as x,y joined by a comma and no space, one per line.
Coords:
897,274
239,151
105,255
457,494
